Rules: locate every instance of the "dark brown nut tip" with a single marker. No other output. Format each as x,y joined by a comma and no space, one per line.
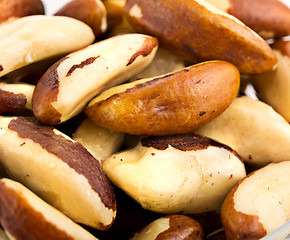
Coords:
171,227
91,12
20,8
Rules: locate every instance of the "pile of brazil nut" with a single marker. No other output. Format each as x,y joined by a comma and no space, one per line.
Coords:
144,119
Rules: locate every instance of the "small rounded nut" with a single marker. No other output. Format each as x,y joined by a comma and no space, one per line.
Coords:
171,227
58,169
273,87
91,12
175,103
253,129
270,19
34,38
95,68
24,215
15,99
180,173
259,204
197,31
100,142
20,8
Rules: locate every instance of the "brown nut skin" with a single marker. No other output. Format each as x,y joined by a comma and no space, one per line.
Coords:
175,103
171,227
258,204
269,18
197,31
91,12
24,215
20,8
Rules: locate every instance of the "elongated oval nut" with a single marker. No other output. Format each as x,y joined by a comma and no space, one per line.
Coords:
197,31
270,19
180,173
259,204
273,87
20,8
58,169
25,216
253,129
100,142
34,38
15,99
58,95
171,227
175,103
91,12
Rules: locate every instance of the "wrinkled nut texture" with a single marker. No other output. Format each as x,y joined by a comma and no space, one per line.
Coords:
197,31
30,39
15,99
259,204
171,227
58,95
91,12
273,87
100,142
175,103
25,216
20,8
253,129
59,170
270,19
180,173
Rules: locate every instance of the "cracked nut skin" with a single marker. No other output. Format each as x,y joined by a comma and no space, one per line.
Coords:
95,68
24,215
15,99
253,129
259,204
91,12
197,31
58,169
180,173
175,103
20,8
273,87
270,19
171,227
31,39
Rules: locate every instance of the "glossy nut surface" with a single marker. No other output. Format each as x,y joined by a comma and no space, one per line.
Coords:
25,216
253,129
30,39
197,31
91,12
171,227
179,173
175,103
58,169
259,204
73,81
15,99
